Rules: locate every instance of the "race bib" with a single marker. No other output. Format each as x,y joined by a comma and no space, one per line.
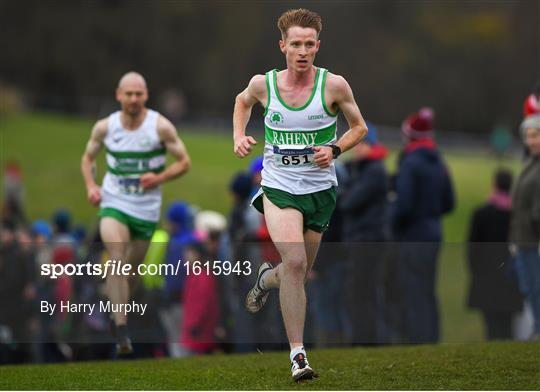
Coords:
293,155
130,186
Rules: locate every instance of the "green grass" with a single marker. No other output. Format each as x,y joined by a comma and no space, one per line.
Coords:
502,366
49,148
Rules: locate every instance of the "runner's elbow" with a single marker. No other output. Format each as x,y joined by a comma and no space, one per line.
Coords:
187,163
362,131
240,102
86,159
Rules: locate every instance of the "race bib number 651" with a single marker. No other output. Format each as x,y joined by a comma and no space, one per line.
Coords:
293,155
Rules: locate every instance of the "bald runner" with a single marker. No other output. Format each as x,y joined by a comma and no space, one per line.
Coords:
136,141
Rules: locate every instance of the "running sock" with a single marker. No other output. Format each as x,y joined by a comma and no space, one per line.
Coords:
297,350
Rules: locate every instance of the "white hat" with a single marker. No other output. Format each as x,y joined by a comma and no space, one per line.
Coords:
210,221
532,121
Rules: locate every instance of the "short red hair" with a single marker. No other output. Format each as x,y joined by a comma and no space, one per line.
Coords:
300,17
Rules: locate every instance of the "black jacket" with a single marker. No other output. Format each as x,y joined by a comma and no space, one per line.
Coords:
493,285
424,193
364,201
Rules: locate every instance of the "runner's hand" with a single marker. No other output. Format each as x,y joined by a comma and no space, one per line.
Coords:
323,156
242,145
150,180
94,195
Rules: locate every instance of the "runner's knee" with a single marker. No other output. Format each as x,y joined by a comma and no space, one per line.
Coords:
296,266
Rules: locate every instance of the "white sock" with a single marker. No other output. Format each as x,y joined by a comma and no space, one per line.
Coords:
297,350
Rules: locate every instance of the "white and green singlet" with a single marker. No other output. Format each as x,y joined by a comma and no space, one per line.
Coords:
131,153
289,135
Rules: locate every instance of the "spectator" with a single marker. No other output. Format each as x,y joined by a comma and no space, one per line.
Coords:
424,193
325,281
42,233
364,207
61,221
493,288
14,283
248,240
13,211
241,188
200,303
525,221
181,231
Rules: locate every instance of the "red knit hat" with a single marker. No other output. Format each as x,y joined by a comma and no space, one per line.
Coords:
419,125
531,106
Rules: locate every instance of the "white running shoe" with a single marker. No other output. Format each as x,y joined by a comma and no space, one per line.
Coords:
300,368
256,297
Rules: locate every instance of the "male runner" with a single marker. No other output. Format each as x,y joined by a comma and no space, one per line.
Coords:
136,140
298,179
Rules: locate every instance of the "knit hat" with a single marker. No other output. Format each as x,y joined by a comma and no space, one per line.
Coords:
532,121
62,219
419,125
241,185
531,106
42,228
179,212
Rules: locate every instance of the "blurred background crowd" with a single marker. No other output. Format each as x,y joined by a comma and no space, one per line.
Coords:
377,279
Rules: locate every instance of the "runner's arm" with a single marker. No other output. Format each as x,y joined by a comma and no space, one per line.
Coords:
88,164
175,147
340,93
255,92
344,99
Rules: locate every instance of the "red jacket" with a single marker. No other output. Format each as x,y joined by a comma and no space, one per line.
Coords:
201,313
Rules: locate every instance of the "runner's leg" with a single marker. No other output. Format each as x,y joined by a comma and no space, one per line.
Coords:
286,230
135,255
312,240
115,236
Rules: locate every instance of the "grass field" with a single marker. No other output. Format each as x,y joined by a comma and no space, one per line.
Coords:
495,366
49,147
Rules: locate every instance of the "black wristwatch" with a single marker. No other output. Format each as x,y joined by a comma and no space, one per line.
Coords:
336,151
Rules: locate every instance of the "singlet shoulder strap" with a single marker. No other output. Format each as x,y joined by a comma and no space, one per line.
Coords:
323,99
113,121
270,93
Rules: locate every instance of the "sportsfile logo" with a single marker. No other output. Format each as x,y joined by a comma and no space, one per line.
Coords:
119,268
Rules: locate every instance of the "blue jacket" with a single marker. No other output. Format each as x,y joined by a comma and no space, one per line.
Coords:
424,193
175,252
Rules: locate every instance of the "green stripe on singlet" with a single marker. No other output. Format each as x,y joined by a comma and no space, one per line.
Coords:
296,137
137,154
